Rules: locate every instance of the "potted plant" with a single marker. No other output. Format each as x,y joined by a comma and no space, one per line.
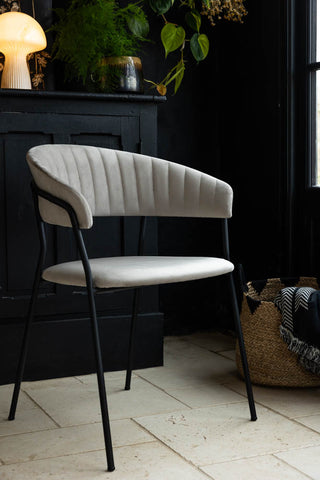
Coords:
98,40
177,35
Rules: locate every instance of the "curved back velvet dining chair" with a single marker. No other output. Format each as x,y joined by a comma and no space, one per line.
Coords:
72,184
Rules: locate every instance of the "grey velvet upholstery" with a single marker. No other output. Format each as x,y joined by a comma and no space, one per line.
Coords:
99,182
137,271
104,182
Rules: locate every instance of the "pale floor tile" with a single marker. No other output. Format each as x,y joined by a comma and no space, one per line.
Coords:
291,402
221,433
307,460
231,354
26,420
312,422
176,349
205,436
213,341
206,368
205,395
68,441
151,461
77,404
265,467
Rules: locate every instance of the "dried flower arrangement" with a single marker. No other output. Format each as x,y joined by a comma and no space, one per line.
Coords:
174,36
37,61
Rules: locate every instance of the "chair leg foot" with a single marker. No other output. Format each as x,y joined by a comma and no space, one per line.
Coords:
24,347
128,383
101,382
135,307
244,360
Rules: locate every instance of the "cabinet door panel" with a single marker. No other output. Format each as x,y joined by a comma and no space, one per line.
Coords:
22,242
21,131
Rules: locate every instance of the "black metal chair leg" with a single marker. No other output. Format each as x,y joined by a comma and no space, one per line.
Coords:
25,342
135,308
101,382
242,349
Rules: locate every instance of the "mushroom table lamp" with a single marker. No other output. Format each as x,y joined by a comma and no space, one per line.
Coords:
20,34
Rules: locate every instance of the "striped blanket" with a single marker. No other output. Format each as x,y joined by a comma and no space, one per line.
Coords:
300,326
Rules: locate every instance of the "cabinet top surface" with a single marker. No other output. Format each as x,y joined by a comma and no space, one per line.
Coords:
103,97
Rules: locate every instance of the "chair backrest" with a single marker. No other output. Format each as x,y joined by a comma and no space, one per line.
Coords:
104,182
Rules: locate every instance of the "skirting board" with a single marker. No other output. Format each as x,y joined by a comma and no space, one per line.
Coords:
64,348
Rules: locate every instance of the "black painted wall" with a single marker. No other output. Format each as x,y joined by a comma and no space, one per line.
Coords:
228,119
241,94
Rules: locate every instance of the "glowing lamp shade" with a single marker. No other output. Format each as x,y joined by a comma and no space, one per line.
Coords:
20,34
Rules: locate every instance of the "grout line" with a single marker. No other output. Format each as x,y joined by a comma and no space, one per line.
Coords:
292,466
164,391
309,415
158,440
42,409
305,426
293,419
80,381
261,455
58,456
267,407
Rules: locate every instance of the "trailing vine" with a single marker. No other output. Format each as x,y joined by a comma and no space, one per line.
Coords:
176,37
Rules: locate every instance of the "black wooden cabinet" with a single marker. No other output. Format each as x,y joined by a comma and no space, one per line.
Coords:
61,343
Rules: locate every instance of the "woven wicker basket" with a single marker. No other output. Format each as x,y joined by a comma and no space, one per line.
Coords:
270,361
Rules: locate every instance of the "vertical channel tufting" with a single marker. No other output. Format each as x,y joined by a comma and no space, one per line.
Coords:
61,167
103,181
116,194
85,171
200,191
138,187
122,184
72,171
68,170
89,160
160,178
169,184
76,166
176,188
145,184
108,207
184,190
154,187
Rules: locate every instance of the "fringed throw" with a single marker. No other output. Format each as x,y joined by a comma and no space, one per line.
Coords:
300,326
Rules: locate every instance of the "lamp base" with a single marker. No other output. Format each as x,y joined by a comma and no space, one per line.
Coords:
16,72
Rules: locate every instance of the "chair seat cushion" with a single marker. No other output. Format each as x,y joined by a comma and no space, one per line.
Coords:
133,271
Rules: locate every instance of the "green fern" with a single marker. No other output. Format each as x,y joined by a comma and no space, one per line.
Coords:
89,30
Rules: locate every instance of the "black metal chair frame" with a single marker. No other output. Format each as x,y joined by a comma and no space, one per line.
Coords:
93,315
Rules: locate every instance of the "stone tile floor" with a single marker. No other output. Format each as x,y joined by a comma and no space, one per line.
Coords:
187,420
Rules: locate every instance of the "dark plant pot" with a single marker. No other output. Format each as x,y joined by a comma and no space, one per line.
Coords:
123,75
